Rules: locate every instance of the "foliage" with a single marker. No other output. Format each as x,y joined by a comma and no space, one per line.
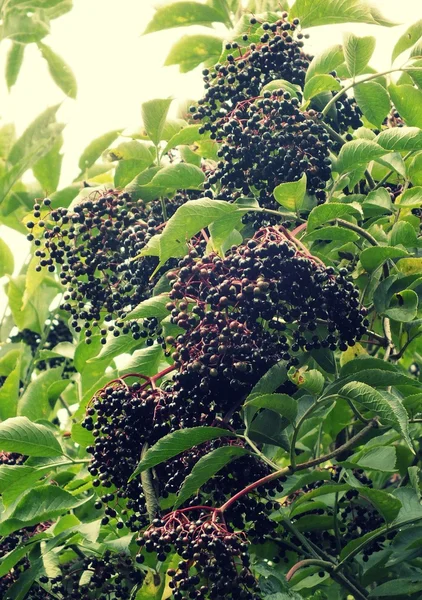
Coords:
210,362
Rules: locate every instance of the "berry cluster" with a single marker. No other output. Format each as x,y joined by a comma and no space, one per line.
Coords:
269,141
271,278
214,561
111,576
15,540
93,247
276,54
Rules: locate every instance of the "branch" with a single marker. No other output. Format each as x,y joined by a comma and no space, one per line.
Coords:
309,562
302,467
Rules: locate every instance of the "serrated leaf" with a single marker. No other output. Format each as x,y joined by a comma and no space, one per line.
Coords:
378,459
411,198
357,52
403,306
177,442
282,404
291,195
386,504
182,14
397,587
7,262
325,62
357,153
148,361
14,62
407,40
9,393
372,258
205,468
154,115
95,149
186,136
400,139
178,176
331,233
318,84
382,404
20,435
329,212
192,50
323,12
34,403
60,71
41,504
408,101
186,222
281,84
373,100
152,307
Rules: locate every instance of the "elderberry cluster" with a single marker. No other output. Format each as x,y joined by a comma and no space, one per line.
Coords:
111,576
270,141
275,54
93,246
273,279
214,561
15,540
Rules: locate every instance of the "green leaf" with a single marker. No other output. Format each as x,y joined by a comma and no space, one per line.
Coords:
318,84
357,153
126,171
400,139
325,12
357,52
95,149
205,468
14,63
331,233
148,361
403,234
403,306
372,258
9,393
329,212
152,307
154,115
47,169
407,40
43,503
192,50
60,71
177,442
373,100
281,84
325,62
186,222
17,479
282,404
378,459
380,404
19,434
182,14
186,136
270,381
7,262
38,137
224,232
411,198
397,587
410,266
25,26
408,101
34,403
291,195
178,176
386,504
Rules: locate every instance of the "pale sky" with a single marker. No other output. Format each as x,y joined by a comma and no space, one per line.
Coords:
117,69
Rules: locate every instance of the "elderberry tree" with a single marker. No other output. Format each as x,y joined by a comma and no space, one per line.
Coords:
210,362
